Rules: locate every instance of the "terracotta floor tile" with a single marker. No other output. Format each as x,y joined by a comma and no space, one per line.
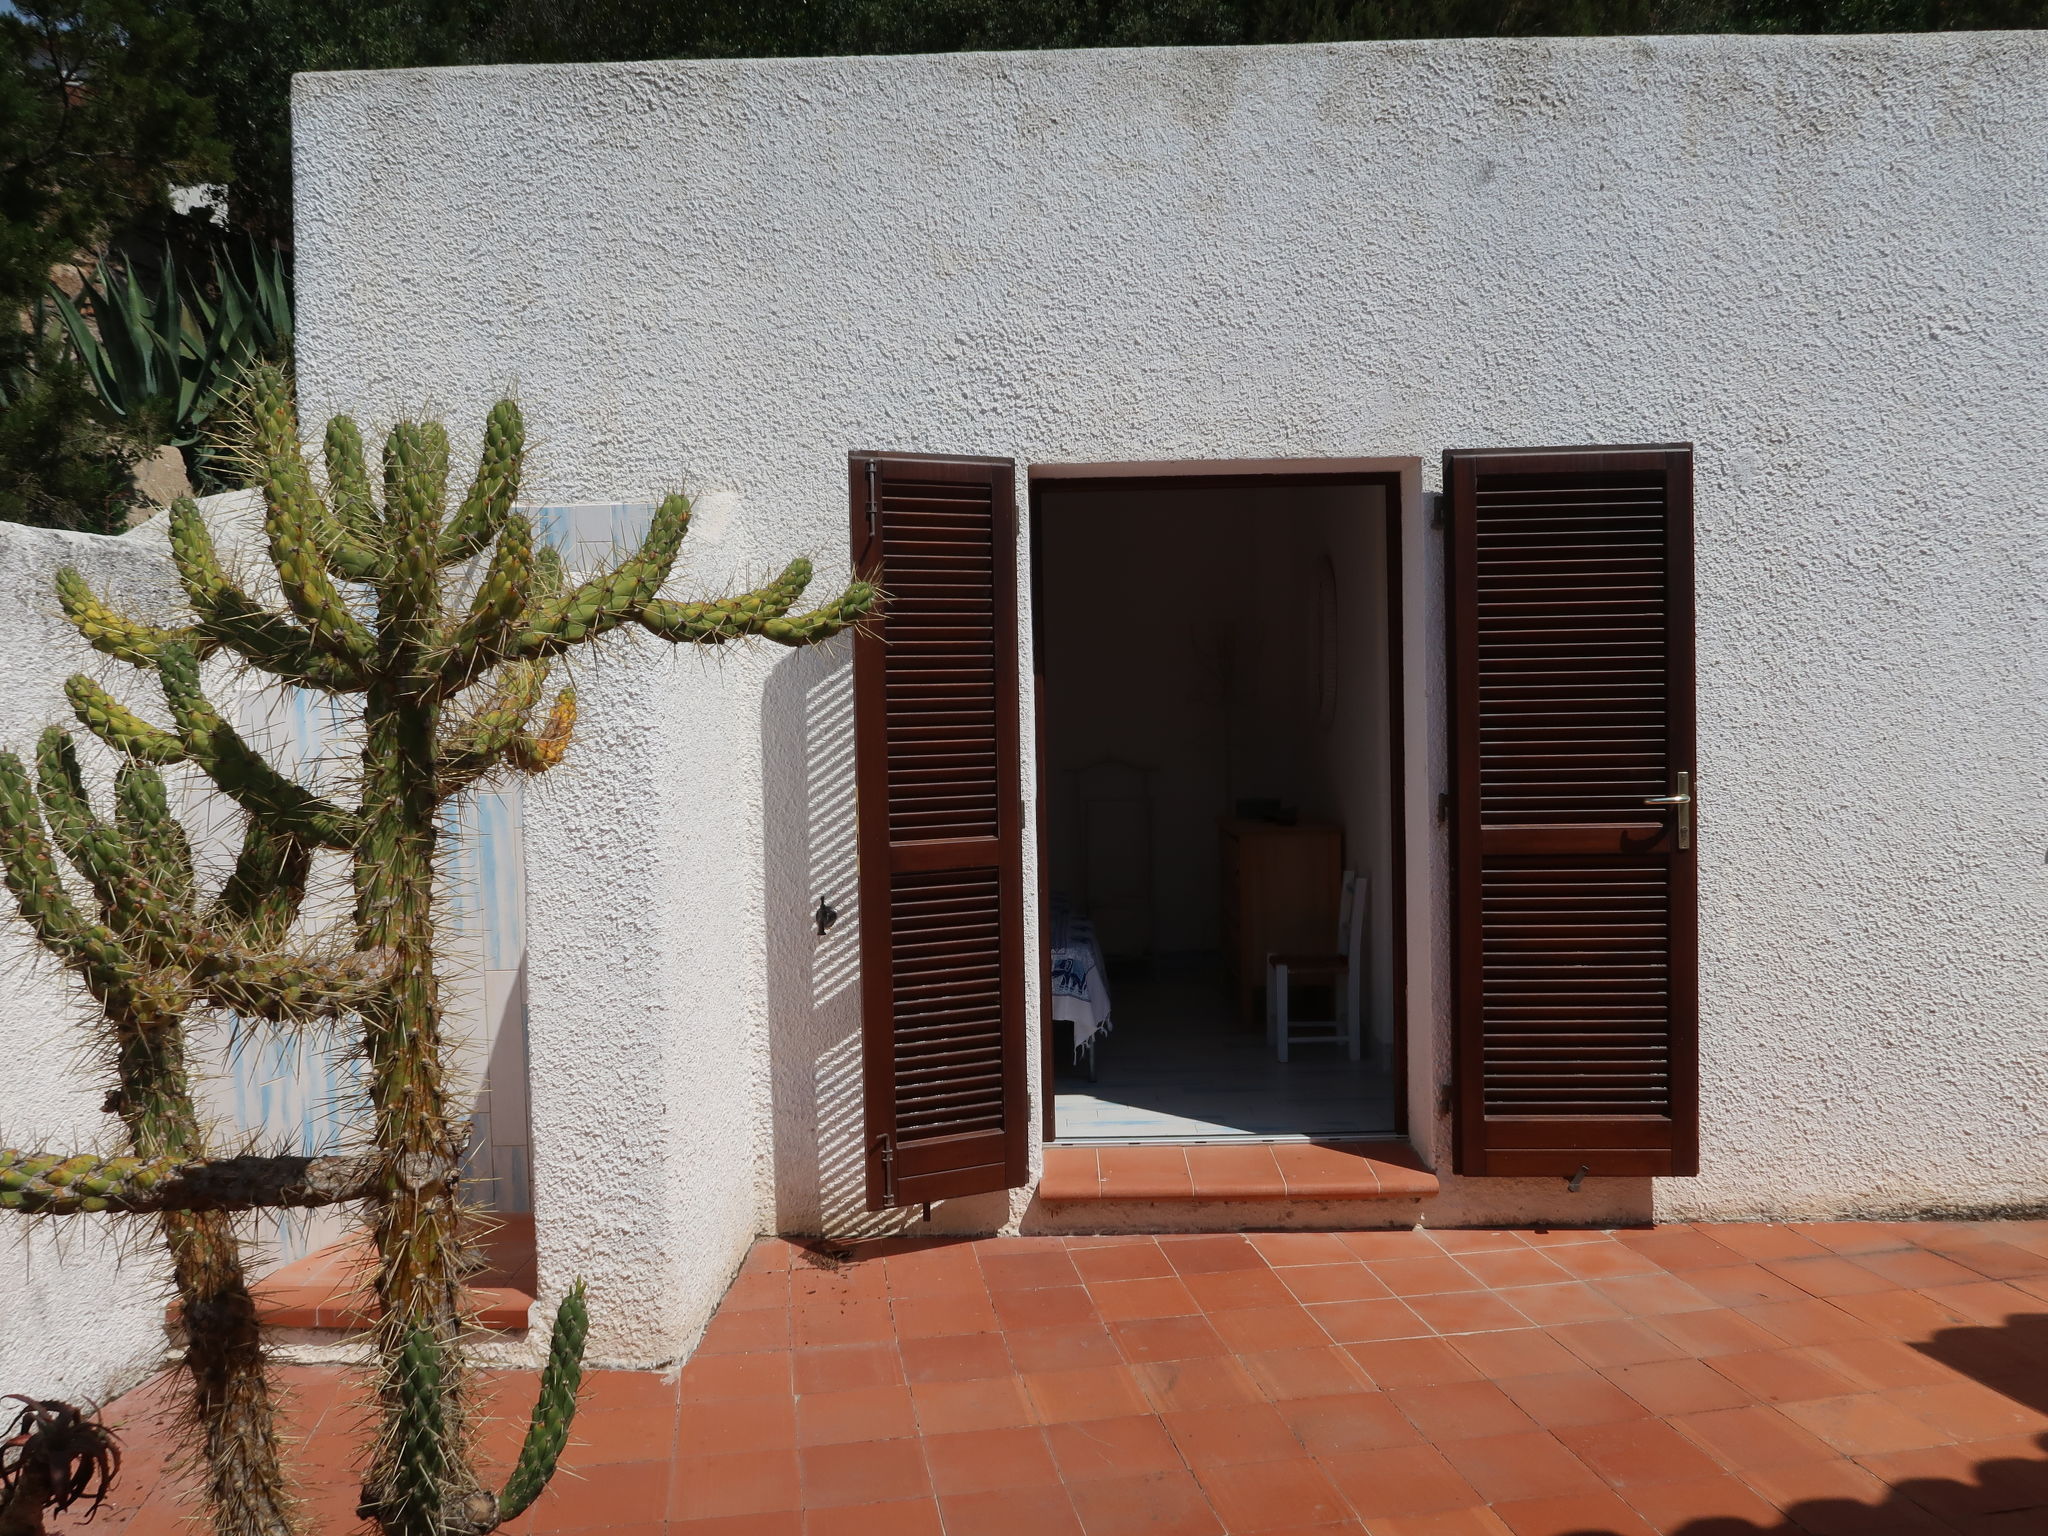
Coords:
1399,1480
1652,1295
1350,1280
1270,1496
1744,1439
1012,1512
1882,1363
1709,1506
1462,1410
985,1459
1165,1501
1325,1172
820,1324
1916,1267
1783,1375
1312,1372
1209,1254
1095,1392
1240,1173
1572,1397
1535,1465
1851,1236
1300,1248
1519,1265
847,1367
622,1493
734,1425
1828,1275
1066,1348
1955,1481
1828,1498
1988,1301
1864,1424
940,1270
713,1378
1050,1306
1638,1451
1902,1314
1167,1338
1237,1289
733,1333
1477,1521
1564,1237
1126,1447
954,1406
1135,1259
1458,1241
864,1413
1029,1270
949,1357
1353,1322
1255,1329
1968,1410
1742,1285
1678,1246
1602,1260
1467,1312
1400,1243
920,1317
786,1522
1211,1381
1761,1240
1213,1437
1703,1335
1620,1342
1348,1422
865,1473
1572,1515
899,1517
1515,1352
1413,1362
1808,1322
1120,1300
2000,1261
1572,1301
1424,1276
1677,1386
747,1483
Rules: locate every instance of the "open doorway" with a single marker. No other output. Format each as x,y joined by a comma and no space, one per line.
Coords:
1217,663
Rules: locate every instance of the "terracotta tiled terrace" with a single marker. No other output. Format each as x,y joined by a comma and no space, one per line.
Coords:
1834,1380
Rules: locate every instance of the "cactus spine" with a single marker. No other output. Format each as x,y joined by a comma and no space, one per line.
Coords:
372,610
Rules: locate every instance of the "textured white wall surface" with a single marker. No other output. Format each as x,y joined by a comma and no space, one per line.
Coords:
1818,259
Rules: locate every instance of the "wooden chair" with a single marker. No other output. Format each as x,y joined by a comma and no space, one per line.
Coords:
1344,971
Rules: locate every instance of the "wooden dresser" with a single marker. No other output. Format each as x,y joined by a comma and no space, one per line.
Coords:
1281,889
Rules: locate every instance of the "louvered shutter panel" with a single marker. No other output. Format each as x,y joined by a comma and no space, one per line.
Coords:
942,942
1576,982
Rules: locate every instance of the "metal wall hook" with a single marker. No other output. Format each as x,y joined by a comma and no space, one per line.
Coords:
826,917
1578,1180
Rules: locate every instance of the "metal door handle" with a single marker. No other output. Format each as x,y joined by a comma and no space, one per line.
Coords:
1681,801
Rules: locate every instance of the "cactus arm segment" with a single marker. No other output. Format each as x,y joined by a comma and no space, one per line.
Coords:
478,744
613,597
239,770
56,1184
230,616
261,899
822,623
123,638
547,1432
484,510
419,1456
537,754
297,525
764,612
415,491
356,532
496,616
155,839
120,727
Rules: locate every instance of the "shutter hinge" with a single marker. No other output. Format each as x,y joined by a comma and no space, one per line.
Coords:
1443,808
888,1150
1436,511
874,479
1443,1098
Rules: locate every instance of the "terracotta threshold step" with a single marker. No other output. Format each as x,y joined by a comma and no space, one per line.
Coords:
1325,1170
328,1290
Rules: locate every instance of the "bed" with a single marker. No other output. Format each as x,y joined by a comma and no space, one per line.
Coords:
1080,985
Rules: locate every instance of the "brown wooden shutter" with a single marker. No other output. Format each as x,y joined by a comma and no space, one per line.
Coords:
1576,978
941,832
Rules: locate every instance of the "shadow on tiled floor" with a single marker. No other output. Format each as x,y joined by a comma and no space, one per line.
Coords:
1843,1379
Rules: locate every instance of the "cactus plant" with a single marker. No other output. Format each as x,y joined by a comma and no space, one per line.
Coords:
449,691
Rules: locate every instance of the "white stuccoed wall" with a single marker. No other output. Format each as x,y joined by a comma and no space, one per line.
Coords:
1819,259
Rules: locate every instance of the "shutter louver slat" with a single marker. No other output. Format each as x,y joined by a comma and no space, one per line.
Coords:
1571,630
935,684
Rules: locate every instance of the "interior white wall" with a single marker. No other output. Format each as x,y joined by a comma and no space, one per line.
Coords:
1812,257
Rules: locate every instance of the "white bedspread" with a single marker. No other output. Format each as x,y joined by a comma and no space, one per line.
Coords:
1080,990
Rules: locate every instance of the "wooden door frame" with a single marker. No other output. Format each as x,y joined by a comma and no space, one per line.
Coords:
1400,480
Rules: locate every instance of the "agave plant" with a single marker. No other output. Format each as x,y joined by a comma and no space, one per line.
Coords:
440,625
163,354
